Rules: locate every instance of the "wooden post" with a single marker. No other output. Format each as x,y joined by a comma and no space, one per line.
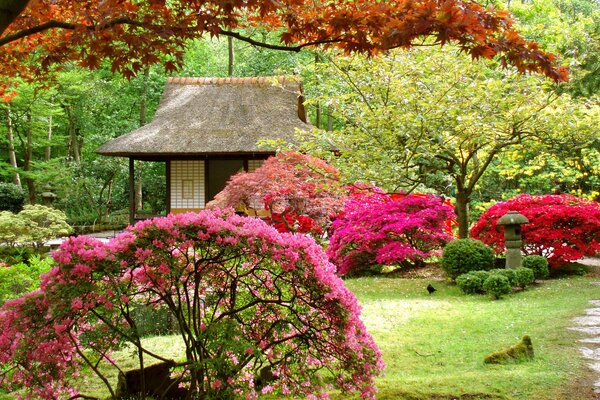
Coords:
131,191
168,199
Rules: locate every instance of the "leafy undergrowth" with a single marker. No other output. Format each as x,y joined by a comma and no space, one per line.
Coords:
434,345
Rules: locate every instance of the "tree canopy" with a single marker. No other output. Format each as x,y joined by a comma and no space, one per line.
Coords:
131,34
433,119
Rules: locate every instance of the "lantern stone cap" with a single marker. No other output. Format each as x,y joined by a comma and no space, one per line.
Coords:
512,218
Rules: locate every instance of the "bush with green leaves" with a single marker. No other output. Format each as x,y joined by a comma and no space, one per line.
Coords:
509,273
13,229
538,264
497,285
12,197
18,279
523,277
465,255
34,225
472,282
18,254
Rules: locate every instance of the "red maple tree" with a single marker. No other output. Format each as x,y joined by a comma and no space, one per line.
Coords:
562,228
131,33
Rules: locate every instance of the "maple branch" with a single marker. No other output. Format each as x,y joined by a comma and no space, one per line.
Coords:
257,43
65,25
253,42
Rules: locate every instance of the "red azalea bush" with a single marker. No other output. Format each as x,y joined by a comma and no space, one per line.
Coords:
561,228
245,298
376,229
294,187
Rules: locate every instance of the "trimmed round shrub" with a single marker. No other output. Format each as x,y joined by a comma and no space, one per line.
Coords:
497,285
538,264
472,282
509,273
523,277
466,255
12,197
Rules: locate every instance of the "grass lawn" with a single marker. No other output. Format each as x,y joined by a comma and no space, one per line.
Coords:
434,345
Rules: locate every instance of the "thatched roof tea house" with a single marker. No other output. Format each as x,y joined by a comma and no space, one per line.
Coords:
207,129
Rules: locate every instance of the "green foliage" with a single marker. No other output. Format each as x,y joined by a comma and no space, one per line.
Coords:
17,279
17,254
434,120
523,277
153,320
13,229
34,225
465,255
43,223
12,197
497,285
509,273
538,264
472,282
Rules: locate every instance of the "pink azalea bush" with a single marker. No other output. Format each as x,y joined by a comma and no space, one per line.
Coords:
562,228
301,192
245,297
376,229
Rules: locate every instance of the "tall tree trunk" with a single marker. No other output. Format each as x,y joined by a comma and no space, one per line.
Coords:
12,157
73,142
462,211
139,192
231,60
48,152
28,159
329,120
318,117
139,199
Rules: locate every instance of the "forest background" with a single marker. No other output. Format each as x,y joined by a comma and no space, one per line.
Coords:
519,133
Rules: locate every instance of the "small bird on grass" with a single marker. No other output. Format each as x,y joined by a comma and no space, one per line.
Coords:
431,289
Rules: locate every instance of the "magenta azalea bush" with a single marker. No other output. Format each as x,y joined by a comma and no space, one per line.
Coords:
561,228
245,298
375,228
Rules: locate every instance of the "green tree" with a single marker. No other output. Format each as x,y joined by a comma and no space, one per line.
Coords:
433,119
570,28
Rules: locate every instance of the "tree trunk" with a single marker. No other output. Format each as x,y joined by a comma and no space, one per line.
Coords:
12,158
318,117
28,159
231,59
139,200
72,141
48,152
462,211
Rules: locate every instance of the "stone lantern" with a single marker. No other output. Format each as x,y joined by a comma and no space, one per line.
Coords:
47,196
512,222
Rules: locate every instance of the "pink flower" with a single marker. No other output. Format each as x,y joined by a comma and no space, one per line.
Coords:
77,304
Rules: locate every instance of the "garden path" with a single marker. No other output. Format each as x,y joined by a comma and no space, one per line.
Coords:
589,324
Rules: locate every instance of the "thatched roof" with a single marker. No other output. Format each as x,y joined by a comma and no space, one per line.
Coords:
216,116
